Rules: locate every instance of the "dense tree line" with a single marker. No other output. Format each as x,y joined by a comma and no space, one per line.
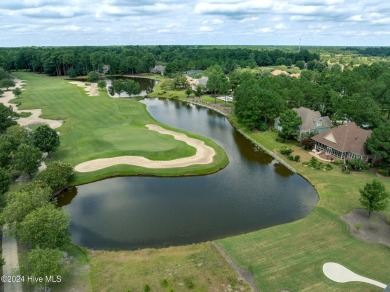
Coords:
361,95
74,61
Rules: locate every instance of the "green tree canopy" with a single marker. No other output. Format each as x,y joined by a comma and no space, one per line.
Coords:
42,262
26,159
18,135
7,117
5,180
57,175
379,142
46,227
20,204
131,87
92,76
374,196
102,84
45,139
7,83
118,86
289,121
17,91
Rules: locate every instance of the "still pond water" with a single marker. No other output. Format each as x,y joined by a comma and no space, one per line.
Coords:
252,192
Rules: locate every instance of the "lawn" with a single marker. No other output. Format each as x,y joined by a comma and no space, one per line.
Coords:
100,127
291,256
197,267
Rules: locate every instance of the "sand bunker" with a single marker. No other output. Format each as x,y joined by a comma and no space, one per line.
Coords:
204,155
35,113
91,89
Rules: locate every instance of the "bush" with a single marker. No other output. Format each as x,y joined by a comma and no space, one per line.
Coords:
290,157
357,164
262,127
384,172
286,151
328,167
297,158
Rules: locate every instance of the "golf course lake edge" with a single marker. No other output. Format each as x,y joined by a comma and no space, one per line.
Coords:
254,191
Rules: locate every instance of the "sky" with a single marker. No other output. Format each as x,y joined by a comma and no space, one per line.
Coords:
203,22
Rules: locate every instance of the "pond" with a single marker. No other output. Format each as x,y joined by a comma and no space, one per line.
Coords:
254,191
145,83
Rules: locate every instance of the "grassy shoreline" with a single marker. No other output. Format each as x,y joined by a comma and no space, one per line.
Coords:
290,256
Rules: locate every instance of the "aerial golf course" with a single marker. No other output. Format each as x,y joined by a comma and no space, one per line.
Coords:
103,127
288,256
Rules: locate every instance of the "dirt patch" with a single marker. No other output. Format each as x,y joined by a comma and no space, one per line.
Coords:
374,229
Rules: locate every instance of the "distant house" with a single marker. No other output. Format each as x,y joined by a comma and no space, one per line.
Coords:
158,69
201,82
106,69
312,122
344,142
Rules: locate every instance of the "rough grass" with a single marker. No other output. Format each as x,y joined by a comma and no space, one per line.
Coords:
197,267
100,127
291,256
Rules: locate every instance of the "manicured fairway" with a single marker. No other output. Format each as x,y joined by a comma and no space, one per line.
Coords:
291,256
102,127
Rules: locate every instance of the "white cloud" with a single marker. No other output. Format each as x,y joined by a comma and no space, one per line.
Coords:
64,28
205,28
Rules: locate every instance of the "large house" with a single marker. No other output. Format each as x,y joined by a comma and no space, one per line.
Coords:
343,142
158,69
312,122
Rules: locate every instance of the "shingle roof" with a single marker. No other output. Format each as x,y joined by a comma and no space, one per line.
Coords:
345,138
309,118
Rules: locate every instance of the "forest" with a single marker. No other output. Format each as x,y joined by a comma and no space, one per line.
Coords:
76,61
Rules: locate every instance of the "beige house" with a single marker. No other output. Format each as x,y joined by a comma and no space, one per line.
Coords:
312,122
344,142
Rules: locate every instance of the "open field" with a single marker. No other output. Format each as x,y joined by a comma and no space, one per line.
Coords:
102,127
197,267
291,256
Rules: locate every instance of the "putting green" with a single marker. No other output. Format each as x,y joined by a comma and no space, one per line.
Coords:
103,127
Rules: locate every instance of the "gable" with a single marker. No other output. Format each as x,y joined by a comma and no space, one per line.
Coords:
330,138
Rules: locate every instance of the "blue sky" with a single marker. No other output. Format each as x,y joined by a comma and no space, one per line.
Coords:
165,22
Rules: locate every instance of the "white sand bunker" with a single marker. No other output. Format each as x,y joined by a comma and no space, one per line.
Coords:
91,89
341,274
35,113
204,155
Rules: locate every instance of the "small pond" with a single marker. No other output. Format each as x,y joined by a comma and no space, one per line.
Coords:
254,191
145,83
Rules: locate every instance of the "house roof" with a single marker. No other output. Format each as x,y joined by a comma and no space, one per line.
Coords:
158,68
203,81
310,117
345,138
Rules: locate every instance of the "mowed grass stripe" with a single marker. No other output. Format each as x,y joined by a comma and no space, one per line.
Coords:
291,256
102,127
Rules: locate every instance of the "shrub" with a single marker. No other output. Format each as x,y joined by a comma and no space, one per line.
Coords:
290,157
357,164
262,127
297,158
285,150
328,167
384,172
